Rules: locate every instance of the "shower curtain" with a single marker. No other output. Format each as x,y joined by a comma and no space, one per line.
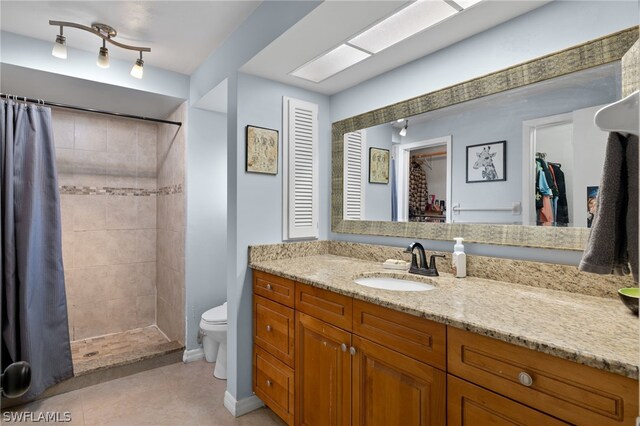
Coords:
34,308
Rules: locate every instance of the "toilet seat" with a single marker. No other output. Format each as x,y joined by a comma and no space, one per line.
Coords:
215,316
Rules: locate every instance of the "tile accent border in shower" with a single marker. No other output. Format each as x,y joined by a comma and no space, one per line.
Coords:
135,192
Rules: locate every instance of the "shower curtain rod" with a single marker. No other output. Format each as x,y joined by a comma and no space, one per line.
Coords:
96,111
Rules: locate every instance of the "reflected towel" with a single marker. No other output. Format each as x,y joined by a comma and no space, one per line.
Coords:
613,242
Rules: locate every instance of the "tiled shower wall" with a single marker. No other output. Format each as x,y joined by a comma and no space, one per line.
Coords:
171,227
107,173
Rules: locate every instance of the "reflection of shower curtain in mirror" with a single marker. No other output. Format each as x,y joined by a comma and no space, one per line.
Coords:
418,190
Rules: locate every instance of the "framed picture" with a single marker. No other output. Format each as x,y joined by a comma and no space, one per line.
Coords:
378,165
262,150
487,162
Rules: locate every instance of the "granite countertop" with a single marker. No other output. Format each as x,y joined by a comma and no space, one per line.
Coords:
593,331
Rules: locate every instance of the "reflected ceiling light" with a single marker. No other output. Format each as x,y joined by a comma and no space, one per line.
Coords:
332,62
138,69
60,46
411,20
106,33
403,132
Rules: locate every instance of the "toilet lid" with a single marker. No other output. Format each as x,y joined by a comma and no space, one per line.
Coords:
217,315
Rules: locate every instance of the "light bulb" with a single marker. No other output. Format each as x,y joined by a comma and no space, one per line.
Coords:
103,58
138,68
60,47
403,132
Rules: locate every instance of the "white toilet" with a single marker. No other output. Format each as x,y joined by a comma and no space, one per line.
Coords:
213,326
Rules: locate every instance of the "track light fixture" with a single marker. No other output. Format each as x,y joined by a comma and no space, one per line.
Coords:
138,69
106,33
103,56
403,132
60,46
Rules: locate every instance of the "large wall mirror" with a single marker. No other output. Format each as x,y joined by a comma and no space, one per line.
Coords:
509,158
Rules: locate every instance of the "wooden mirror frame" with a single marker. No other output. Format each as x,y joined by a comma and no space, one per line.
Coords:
591,54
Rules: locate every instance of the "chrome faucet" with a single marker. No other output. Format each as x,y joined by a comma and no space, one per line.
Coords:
431,270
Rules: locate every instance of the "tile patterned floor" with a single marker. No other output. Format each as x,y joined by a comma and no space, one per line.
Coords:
118,349
177,394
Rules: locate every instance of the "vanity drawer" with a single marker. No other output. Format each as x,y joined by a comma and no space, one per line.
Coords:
569,391
334,308
274,288
273,383
416,337
468,404
273,328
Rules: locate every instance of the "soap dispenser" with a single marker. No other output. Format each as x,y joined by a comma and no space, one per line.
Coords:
459,259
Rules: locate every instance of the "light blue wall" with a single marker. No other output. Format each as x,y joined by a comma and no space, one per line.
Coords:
265,24
35,54
270,20
555,26
490,123
552,27
377,195
259,204
206,219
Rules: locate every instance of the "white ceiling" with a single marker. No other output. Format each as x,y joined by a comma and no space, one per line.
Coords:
334,22
181,34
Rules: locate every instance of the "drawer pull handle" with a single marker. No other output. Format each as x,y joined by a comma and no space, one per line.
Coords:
343,347
269,287
269,383
268,328
525,379
352,350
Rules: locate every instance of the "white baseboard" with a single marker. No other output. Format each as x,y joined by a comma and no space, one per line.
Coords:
242,407
192,355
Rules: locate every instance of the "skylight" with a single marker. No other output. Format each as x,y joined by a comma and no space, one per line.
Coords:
408,21
403,24
338,59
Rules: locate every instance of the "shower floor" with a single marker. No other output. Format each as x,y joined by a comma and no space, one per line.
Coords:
113,350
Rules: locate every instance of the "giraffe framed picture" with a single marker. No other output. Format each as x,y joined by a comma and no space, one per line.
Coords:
487,162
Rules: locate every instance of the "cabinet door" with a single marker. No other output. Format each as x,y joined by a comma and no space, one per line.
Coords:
472,405
322,373
392,389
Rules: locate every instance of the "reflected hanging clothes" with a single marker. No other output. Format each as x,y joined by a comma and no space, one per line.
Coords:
34,308
544,195
562,208
418,190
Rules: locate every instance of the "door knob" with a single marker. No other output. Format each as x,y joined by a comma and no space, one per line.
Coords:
268,328
352,350
269,383
269,287
343,347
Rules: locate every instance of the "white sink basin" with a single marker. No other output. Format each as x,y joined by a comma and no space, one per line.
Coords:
388,283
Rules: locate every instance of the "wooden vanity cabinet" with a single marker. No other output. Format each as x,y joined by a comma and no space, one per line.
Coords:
356,363
323,373
470,405
326,359
566,390
274,347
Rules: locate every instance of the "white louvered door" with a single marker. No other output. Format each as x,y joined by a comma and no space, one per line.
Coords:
354,175
301,180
